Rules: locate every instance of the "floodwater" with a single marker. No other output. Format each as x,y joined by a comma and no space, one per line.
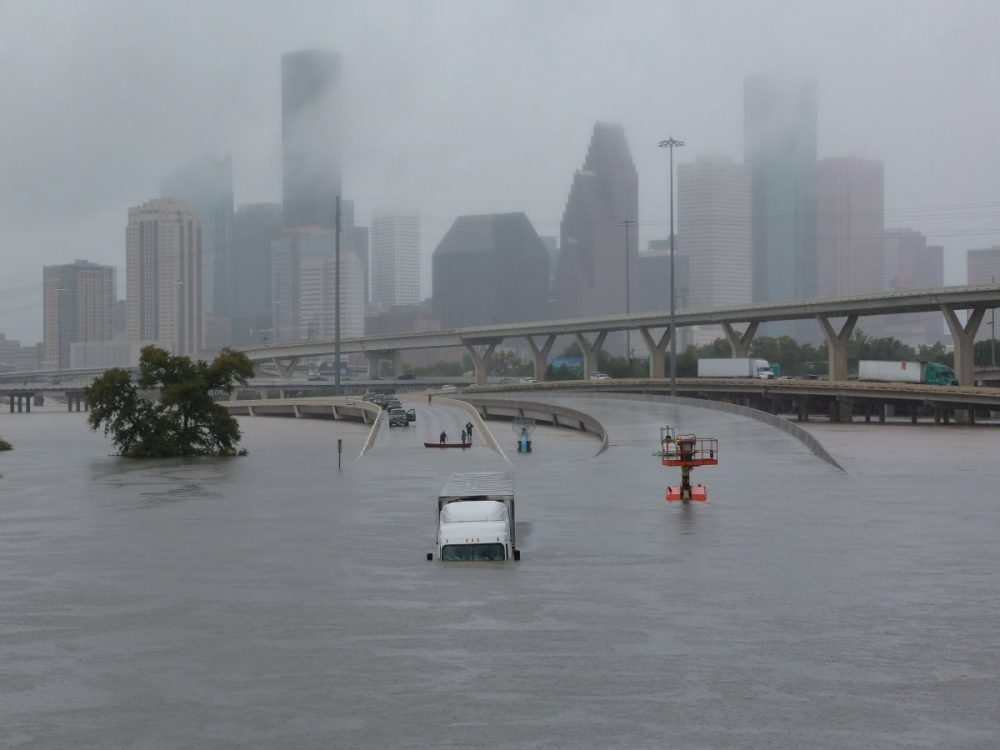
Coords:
274,601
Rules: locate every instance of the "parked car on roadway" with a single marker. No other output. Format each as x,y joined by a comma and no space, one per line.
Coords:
397,418
392,403
599,376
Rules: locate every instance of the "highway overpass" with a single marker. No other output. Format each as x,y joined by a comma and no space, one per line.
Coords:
837,318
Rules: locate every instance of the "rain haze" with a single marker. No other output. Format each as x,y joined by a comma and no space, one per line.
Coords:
451,108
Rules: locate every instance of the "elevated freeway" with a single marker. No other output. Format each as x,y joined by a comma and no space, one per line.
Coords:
837,318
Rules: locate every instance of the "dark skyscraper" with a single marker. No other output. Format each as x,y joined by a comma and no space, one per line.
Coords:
779,141
255,225
310,137
590,276
489,269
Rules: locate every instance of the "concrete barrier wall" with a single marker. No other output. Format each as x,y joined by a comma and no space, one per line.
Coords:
540,411
483,428
791,428
313,408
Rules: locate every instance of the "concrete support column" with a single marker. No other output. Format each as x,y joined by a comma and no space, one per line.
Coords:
286,366
740,342
372,358
591,352
541,354
27,403
69,402
482,361
964,337
836,343
396,360
657,352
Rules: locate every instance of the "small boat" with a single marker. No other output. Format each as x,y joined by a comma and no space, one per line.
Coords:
447,445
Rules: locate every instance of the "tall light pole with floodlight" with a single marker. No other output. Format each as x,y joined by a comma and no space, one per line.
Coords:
628,289
672,143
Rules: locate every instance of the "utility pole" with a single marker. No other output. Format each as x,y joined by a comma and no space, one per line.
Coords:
336,299
672,143
628,290
993,332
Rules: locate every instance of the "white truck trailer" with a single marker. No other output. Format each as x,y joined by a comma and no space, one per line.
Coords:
476,518
931,373
735,367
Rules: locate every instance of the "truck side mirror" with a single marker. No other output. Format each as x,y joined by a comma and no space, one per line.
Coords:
430,555
517,554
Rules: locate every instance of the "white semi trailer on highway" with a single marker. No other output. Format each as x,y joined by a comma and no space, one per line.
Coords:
476,518
931,373
735,367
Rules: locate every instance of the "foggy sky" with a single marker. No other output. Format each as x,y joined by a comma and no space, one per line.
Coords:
460,106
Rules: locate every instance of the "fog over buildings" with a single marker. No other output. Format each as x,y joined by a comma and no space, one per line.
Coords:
453,109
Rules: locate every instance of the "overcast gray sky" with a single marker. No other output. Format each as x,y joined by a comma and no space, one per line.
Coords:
461,106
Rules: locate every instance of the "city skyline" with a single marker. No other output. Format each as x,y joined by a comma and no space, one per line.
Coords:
59,205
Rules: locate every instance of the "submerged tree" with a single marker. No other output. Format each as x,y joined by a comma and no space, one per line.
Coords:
185,421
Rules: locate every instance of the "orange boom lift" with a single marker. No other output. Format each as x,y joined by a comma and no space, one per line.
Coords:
687,451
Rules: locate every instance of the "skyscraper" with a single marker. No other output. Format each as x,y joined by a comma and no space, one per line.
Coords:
208,186
590,276
77,299
983,266
850,226
488,269
395,260
713,218
255,224
910,263
303,286
779,141
310,137
163,275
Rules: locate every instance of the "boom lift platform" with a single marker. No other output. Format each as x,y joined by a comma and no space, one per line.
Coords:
687,451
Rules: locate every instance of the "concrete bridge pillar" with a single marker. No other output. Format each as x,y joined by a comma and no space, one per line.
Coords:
964,337
372,358
396,360
836,344
657,351
27,403
740,342
482,361
591,352
541,354
285,366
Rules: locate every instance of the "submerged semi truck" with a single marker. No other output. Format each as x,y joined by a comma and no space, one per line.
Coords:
475,513
735,367
931,373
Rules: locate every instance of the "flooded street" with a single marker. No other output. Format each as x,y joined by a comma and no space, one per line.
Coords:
274,601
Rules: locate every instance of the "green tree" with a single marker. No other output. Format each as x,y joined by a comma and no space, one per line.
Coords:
5,446
185,421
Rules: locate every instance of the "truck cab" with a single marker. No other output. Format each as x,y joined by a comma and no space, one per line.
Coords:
476,518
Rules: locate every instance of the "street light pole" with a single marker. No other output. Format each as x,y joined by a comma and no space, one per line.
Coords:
672,143
993,332
628,289
336,298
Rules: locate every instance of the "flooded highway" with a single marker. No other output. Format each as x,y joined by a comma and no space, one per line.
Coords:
274,601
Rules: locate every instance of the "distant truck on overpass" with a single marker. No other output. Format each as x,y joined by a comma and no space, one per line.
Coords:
929,373
738,367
